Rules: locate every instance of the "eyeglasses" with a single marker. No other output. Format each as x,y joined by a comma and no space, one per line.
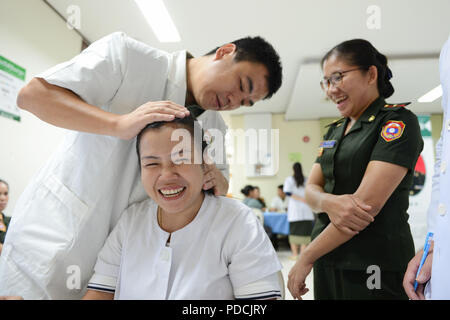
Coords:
335,79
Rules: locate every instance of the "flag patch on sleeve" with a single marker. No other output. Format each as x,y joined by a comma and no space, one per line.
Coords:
392,130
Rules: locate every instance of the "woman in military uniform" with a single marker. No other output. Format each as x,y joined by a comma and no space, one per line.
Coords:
4,220
360,183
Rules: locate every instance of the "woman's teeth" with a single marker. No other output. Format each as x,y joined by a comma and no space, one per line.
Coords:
340,100
171,192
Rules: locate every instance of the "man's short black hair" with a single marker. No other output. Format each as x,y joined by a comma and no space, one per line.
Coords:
258,50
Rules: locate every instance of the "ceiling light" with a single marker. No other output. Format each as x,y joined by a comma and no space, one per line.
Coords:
159,20
432,95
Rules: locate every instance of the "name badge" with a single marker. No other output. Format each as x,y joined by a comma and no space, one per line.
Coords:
328,144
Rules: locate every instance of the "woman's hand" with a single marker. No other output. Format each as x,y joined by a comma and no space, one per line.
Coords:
214,179
348,213
297,277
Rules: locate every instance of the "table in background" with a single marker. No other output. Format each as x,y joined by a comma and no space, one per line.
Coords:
277,221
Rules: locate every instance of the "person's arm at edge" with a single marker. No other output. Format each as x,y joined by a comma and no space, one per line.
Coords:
413,265
98,295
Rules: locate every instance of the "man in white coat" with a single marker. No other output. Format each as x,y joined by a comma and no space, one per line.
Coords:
434,278
106,95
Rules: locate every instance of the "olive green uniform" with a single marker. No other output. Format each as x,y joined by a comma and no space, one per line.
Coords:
4,224
388,133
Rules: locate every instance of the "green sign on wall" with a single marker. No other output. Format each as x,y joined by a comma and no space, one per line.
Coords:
12,79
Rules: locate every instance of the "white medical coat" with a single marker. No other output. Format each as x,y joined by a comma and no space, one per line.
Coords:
439,210
68,209
221,250
297,210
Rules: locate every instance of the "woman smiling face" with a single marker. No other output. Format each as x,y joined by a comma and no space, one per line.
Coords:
172,176
356,90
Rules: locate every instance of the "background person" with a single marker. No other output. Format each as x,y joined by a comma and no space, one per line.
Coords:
259,198
280,202
4,220
251,197
360,182
300,216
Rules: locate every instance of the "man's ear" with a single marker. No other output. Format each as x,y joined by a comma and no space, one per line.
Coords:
225,50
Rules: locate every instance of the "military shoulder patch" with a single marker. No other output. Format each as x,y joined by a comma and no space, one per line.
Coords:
392,130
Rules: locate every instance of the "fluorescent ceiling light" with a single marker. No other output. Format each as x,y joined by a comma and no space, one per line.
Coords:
159,20
432,95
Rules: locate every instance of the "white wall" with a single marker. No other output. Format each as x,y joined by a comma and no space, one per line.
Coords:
34,37
291,135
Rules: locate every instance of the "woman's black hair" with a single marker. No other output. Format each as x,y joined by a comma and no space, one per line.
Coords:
362,53
247,189
188,122
6,183
298,174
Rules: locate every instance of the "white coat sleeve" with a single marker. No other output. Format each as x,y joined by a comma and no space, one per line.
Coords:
95,74
106,270
432,209
444,70
250,252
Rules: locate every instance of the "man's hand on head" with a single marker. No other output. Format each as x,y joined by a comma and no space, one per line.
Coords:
129,125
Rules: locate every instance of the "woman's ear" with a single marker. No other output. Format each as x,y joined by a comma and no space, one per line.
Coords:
373,75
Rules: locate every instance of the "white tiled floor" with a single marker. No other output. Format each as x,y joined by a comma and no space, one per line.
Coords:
283,255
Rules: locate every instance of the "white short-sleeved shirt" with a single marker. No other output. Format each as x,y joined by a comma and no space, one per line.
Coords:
223,249
297,210
70,206
280,204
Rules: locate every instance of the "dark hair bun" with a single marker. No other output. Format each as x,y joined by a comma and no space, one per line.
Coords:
247,189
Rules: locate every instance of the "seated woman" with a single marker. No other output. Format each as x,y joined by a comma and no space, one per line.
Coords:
251,200
185,243
4,220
